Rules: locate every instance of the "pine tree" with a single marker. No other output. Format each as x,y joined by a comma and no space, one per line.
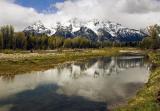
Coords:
1,41
20,40
8,33
153,39
67,43
51,42
58,42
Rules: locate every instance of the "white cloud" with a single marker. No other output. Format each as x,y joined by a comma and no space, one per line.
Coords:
16,15
130,13
139,6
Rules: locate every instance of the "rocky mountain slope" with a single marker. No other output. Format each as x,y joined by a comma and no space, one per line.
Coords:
37,28
94,30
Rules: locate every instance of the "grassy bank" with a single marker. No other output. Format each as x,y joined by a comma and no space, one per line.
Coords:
13,62
146,98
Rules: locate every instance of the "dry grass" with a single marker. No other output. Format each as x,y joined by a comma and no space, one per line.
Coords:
17,63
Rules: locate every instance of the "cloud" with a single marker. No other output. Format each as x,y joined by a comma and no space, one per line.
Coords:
139,6
131,13
16,15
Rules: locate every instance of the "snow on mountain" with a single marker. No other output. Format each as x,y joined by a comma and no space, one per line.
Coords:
38,28
92,29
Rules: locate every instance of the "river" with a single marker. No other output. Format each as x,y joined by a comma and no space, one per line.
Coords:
92,85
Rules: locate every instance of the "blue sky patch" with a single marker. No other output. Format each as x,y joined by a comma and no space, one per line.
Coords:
39,5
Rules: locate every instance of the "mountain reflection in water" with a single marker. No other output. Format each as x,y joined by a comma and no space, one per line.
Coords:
93,85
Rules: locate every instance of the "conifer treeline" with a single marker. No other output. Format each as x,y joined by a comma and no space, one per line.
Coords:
19,40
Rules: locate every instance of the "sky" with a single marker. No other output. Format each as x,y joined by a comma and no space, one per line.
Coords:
39,5
130,13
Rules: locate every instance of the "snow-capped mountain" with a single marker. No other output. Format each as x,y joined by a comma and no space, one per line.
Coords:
37,28
95,30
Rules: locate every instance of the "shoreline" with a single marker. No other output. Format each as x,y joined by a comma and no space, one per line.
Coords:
25,62
18,63
146,98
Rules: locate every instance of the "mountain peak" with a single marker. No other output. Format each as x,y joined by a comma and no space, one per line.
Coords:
92,29
37,28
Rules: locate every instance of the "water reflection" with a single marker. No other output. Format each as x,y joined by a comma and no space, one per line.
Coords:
7,77
89,86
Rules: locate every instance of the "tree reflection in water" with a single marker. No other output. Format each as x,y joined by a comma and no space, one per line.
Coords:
90,85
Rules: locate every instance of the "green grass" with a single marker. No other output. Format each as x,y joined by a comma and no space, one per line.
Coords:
146,98
45,61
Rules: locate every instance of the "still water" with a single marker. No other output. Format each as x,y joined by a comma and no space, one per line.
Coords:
94,85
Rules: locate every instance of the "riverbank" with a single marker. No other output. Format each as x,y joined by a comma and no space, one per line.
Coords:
148,98
17,62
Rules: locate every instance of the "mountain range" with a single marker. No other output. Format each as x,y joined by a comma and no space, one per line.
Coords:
94,30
